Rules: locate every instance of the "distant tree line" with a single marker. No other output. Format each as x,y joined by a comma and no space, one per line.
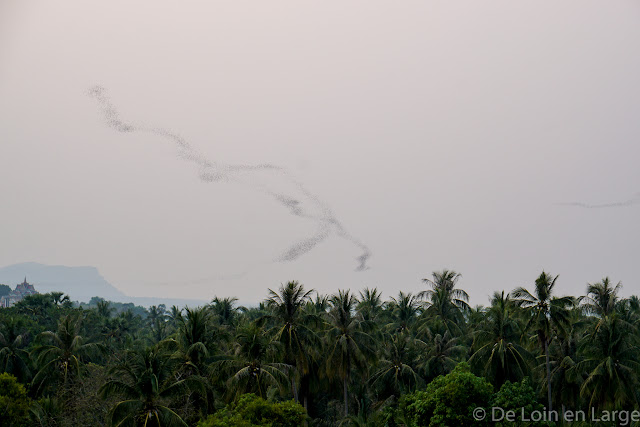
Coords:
300,357
4,290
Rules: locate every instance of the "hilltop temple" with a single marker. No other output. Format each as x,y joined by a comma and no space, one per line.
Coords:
22,290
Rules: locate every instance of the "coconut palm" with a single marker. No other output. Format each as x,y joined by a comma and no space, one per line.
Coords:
442,355
252,314
224,311
14,359
116,331
476,315
547,315
445,304
497,350
403,311
157,320
194,336
293,327
564,357
45,412
193,342
131,328
61,354
318,305
36,306
174,317
397,368
611,364
364,419
104,309
601,299
370,305
633,304
251,368
146,382
349,346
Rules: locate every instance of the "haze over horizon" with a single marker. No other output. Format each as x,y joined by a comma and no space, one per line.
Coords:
496,139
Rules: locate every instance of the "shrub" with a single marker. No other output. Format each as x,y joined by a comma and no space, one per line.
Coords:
518,397
448,400
14,402
251,410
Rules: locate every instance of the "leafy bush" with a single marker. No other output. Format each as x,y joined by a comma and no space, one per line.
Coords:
448,400
518,397
14,402
251,410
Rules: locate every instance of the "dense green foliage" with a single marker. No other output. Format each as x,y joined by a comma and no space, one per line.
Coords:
517,397
326,360
448,400
14,403
4,290
251,410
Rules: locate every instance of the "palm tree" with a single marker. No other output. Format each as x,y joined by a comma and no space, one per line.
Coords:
476,315
442,355
104,309
546,313
225,311
45,411
145,381
601,300
13,358
250,369
116,331
564,357
370,305
364,419
633,304
158,322
445,305
130,329
175,316
498,352
35,306
292,327
59,298
318,306
195,333
397,368
61,355
611,364
349,346
404,312
251,314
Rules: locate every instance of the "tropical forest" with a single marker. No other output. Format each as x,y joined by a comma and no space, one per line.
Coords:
532,356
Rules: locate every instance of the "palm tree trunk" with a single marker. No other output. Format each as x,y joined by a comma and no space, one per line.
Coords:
346,400
546,354
304,390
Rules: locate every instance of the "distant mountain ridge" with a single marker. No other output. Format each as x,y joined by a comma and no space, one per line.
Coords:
80,283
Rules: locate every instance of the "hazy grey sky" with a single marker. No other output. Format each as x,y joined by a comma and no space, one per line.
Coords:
439,135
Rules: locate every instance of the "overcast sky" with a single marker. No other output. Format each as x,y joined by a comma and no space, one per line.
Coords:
429,134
